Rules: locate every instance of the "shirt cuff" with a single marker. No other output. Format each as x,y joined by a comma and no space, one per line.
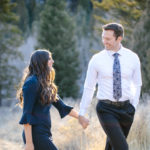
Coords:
82,112
135,105
136,97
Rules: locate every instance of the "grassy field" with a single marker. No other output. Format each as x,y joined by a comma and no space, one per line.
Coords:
69,135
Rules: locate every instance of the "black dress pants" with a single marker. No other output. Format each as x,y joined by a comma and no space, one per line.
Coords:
116,121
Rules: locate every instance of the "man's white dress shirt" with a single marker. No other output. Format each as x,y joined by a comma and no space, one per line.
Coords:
100,70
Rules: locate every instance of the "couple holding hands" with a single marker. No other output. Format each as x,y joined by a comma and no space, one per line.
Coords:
114,69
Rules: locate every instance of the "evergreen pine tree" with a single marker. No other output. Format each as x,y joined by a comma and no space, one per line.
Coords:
9,40
28,12
56,33
22,12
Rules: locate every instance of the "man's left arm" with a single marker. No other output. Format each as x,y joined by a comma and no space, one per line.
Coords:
137,82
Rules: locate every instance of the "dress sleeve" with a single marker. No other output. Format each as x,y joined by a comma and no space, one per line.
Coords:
62,108
29,95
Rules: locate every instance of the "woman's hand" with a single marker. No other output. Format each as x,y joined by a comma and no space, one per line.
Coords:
29,146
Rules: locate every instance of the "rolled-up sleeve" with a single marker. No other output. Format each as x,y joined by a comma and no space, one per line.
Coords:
29,95
62,108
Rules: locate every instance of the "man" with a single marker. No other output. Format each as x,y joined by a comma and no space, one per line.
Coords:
116,69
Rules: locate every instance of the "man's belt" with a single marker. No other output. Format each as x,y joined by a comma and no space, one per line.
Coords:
118,103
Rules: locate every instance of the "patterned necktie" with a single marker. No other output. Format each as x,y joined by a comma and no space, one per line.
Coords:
117,91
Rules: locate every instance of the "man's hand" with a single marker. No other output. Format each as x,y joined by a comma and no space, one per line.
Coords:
83,121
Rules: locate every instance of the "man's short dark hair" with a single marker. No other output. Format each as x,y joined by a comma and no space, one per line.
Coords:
116,27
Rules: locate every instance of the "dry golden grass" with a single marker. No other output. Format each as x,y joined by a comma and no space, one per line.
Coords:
69,135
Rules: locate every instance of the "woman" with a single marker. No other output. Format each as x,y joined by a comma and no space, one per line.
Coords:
37,95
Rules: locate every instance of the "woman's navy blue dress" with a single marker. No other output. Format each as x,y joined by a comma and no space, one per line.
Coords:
38,115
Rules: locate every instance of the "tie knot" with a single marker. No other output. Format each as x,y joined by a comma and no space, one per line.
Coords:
116,55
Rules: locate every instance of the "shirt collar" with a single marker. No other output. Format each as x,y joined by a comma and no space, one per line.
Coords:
120,51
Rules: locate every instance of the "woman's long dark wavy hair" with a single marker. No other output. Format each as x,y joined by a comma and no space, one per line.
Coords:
39,66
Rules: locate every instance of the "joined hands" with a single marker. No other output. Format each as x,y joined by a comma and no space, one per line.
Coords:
83,121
